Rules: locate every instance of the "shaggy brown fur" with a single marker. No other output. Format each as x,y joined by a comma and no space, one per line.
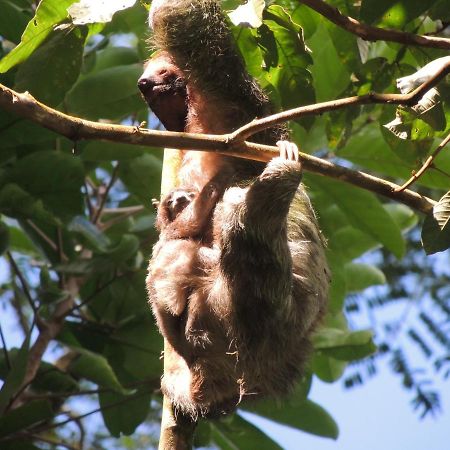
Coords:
237,285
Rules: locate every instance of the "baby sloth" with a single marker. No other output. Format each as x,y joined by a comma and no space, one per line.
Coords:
238,305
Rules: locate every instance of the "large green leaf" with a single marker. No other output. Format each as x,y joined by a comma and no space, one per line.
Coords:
25,416
361,276
135,350
344,345
95,368
237,433
364,211
48,14
108,94
124,413
298,412
13,20
54,177
63,52
330,76
51,379
142,177
24,132
289,59
327,368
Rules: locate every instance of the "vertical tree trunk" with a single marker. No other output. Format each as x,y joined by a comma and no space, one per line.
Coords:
177,431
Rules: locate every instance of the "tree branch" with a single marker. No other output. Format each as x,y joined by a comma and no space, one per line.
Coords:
48,331
23,282
229,144
370,33
409,99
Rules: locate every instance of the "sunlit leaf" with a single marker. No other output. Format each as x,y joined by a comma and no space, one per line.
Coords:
48,14
92,11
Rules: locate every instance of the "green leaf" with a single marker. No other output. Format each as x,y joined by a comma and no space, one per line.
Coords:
124,413
135,349
364,211
235,432
17,203
88,11
25,416
121,299
87,229
304,415
361,276
351,243
25,132
108,94
54,177
436,227
50,379
403,11
344,345
115,56
113,151
15,375
307,19
328,369
289,58
330,76
63,52
296,411
372,10
404,216
48,14
142,176
13,20
4,238
95,368
338,286
125,249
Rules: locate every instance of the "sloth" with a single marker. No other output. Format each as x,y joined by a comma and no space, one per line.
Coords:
238,279
238,307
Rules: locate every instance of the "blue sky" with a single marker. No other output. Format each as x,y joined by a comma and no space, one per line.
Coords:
376,416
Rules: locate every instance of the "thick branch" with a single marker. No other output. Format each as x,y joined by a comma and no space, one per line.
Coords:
370,33
230,144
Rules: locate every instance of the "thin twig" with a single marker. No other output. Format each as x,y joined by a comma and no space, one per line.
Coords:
105,194
415,176
5,349
94,411
124,210
97,291
37,437
124,216
47,239
23,282
371,33
88,201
